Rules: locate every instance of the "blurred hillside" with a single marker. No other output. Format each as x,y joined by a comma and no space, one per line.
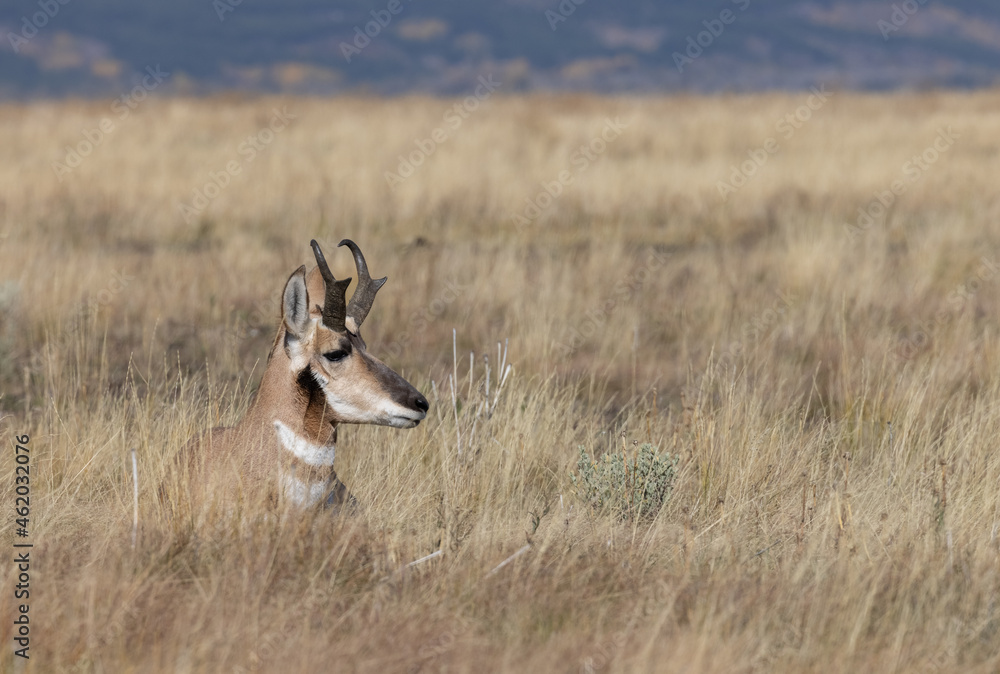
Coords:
101,47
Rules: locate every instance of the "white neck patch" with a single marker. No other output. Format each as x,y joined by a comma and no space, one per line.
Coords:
303,450
302,494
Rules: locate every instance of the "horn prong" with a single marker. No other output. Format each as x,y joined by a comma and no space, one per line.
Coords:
364,294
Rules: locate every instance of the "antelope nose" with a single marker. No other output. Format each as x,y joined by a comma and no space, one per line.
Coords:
421,403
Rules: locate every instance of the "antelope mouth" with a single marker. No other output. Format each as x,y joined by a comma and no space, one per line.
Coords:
406,421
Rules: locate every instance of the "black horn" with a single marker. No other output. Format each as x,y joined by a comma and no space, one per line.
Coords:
364,294
335,305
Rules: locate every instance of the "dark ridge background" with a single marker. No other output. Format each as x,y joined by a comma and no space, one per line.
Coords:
101,47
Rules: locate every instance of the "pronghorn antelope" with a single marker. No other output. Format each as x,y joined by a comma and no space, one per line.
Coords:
319,374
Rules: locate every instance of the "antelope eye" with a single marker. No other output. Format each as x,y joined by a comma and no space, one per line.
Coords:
335,356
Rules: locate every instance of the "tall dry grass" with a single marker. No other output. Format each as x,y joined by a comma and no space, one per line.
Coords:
832,398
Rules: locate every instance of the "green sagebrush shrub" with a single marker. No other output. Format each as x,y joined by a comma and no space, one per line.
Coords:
629,488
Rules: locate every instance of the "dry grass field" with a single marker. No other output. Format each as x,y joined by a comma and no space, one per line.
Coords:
829,387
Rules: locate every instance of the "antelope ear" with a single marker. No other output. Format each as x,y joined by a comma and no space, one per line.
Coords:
316,287
295,304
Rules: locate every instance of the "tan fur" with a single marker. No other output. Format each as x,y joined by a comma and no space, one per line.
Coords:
232,465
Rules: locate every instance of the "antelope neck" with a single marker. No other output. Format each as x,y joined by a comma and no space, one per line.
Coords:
293,407
306,439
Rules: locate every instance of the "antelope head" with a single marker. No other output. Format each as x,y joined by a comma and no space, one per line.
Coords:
325,347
